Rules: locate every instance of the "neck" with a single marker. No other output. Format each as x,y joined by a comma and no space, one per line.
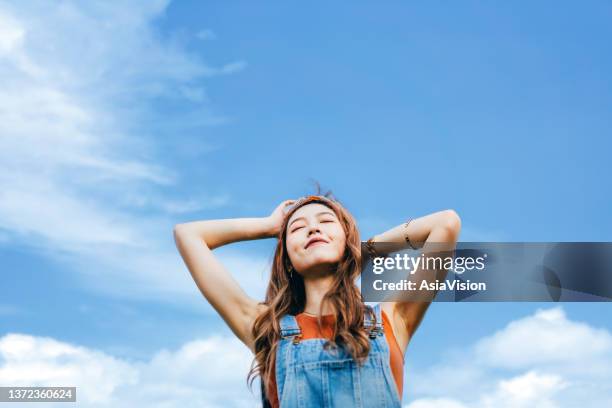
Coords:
315,289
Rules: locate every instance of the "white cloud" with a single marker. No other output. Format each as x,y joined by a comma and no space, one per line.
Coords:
524,391
547,337
436,403
204,372
543,360
11,34
83,178
527,390
208,372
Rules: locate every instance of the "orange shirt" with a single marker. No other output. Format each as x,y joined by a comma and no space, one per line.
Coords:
308,325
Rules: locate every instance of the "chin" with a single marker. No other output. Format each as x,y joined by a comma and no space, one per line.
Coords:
326,259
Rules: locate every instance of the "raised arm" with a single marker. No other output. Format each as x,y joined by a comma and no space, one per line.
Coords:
439,230
196,241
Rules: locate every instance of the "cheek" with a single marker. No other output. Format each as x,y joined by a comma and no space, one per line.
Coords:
340,239
293,246
342,246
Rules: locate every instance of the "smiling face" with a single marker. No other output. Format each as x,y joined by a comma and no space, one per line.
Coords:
315,239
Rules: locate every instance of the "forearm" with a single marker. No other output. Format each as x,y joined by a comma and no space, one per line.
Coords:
436,234
441,226
216,233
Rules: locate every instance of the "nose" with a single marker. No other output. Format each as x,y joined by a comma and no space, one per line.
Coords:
313,229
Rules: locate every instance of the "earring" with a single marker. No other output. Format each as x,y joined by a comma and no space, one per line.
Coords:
290,271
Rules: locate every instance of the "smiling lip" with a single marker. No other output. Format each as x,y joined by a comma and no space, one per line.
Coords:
316,241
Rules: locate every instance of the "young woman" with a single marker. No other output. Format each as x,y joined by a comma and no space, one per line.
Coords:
316,343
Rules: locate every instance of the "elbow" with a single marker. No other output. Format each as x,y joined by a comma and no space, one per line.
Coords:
178,230
451,222
186,232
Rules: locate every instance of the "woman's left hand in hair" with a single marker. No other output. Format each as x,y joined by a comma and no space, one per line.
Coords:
436,231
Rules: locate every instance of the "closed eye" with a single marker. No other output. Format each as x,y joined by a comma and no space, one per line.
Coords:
322,222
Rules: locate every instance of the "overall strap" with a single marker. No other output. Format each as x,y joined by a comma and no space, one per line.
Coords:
368,322
289,326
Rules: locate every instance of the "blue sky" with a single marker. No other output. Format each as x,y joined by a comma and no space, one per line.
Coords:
118,121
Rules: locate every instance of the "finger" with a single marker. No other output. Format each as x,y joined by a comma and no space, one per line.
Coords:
286,205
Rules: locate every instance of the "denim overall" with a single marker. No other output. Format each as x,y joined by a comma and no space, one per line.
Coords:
309,376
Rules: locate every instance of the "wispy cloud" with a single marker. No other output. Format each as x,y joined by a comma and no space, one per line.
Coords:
84,177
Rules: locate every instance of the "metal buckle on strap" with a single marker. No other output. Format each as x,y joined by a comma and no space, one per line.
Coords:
296,338
376,331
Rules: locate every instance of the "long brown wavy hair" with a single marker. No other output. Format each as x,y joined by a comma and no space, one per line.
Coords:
286,295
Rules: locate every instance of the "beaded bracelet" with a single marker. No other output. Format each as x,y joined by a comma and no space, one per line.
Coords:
370,247
406,237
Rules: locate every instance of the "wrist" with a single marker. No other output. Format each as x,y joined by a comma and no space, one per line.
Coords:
269,227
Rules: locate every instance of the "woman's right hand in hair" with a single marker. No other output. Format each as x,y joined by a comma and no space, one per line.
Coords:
278,215
196,240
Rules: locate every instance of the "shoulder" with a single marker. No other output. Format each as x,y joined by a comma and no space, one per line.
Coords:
388,309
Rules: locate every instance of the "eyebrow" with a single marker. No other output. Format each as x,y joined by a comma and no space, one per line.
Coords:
319,213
